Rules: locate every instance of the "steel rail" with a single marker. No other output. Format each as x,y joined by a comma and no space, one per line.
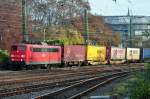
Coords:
43,86
79,95
45,77
71,92
39,87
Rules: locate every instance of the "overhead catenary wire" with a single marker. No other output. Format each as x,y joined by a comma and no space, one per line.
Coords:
127,17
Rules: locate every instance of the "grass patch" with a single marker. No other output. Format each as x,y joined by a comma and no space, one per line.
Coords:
140,87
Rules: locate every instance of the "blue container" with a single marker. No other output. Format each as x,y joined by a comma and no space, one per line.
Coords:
146,54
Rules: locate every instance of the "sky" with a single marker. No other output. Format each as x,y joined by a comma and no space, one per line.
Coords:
120,7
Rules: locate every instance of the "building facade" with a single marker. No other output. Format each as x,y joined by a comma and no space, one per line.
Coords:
131,29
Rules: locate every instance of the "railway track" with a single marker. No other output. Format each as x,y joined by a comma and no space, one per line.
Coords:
38,87
28,78
55,71
52,77
51,81
45,86
76,91
48,85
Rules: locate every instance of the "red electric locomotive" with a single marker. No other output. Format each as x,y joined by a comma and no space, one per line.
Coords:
29,55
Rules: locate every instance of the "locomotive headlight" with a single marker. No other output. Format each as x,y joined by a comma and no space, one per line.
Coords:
22,56
12,55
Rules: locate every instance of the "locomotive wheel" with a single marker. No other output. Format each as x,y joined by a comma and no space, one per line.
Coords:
29,67
15,67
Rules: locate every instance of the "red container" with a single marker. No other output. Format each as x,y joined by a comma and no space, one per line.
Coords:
73,53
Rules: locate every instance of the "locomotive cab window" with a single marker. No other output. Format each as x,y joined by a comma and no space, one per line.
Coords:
14,48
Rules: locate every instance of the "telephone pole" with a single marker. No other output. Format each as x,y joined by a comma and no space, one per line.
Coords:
130,28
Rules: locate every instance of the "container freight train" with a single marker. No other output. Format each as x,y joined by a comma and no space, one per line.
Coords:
30,55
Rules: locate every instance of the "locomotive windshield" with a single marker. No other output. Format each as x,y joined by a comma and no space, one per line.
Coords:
14,48
19,48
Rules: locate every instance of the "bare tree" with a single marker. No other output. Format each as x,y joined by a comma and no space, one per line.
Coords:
146,33
55,12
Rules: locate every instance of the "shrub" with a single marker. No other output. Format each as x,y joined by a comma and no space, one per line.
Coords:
140,88
3,56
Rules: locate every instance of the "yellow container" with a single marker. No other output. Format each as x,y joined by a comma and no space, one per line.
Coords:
96,54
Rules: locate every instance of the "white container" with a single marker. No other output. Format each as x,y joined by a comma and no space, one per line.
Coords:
117,53
133,53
